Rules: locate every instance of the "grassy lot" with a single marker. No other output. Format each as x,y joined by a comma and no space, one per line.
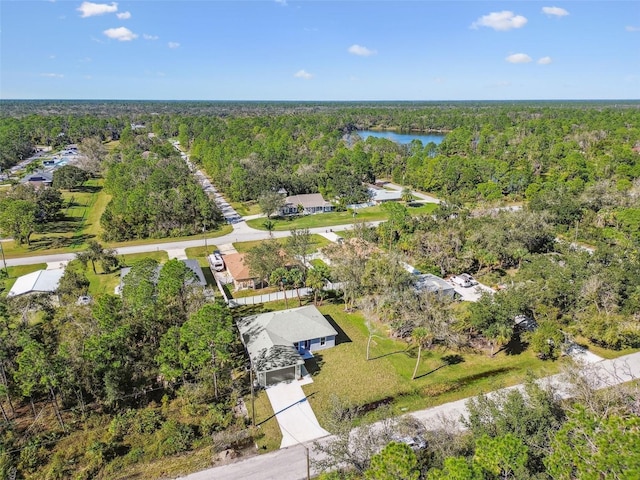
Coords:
368,214
605,352
317,241
443,376
246,208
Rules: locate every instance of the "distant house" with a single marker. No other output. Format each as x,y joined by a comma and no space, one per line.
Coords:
310,203
239,271
38,179
278,342
380,195
42,281
193,265
434,284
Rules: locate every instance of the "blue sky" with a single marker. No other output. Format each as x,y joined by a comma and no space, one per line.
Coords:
320,50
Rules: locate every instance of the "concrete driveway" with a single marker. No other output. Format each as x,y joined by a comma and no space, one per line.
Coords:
297,421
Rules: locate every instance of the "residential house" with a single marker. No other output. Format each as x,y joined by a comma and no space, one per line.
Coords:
433,284
381,195
42,281
309,202
239,271
38,179
278,342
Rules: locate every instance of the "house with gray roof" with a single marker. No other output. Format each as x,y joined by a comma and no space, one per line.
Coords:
42,281
278,342
309,202
432,283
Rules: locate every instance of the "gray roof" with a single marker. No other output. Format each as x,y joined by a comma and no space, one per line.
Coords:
307,200
431,283
40,281
382,195
269,337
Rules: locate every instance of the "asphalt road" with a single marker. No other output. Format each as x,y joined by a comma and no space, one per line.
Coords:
241,233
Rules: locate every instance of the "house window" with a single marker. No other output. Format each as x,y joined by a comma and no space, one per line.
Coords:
323,341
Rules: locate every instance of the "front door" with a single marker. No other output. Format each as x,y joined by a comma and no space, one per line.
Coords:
306,344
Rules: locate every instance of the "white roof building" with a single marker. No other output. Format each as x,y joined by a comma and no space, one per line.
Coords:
42,281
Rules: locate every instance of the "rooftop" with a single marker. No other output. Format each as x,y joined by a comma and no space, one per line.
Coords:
40,281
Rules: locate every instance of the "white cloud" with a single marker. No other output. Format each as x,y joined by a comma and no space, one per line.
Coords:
122,34
361,51
439,80
518,58
52,75
282,2
52,57
631,28
124,15
544,61
146,36
502,21
555,11
89,9
173,45
303,74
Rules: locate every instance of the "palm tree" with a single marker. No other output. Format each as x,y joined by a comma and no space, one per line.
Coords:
315,281
406,195
422,337
499,334
280,276
296,278
270,225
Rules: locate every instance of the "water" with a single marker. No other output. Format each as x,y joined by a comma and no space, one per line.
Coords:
401,138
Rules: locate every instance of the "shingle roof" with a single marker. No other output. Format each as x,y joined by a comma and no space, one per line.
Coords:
308,200
431,283
236,266
269,337
191,264
40,281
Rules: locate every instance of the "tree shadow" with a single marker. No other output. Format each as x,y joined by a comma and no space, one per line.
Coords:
405,351
46,243
342,336
515,346
87,189
447,360
64,225
464,381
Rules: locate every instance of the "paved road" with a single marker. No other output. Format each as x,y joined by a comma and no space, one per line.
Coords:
291,463
241,233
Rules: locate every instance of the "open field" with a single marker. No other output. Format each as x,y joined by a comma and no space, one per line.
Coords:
317,241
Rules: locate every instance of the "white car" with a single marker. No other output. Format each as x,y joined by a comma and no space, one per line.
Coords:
464,280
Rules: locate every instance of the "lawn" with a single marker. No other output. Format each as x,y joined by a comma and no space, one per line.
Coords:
317,241
368,214
246,208
443,376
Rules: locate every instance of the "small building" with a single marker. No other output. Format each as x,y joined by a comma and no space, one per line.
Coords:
239,271
278,342
42,281
434,284
310,203
380,195
38,179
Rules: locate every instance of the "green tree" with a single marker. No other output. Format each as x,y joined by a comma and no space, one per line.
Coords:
97,253
72,285
270,203
280,277
69,177
298,246
395,461
591,446
18,219
546,340
504,456
316,278
456,468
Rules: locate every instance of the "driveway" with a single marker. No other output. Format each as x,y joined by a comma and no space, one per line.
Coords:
294,414
470,294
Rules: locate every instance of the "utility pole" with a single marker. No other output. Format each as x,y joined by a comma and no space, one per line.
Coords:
4,262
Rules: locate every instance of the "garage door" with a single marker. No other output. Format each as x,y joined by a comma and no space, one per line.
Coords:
282,375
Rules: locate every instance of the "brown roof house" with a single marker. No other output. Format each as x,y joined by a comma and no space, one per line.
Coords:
310,203
239,271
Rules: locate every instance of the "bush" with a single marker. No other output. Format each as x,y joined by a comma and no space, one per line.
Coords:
174,437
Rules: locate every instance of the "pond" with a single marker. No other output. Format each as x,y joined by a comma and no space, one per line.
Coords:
401,138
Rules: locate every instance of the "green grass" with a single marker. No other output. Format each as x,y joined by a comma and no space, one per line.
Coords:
368,214
246,208
317,241
200,254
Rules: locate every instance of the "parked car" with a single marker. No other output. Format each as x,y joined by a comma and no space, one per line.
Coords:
464,280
